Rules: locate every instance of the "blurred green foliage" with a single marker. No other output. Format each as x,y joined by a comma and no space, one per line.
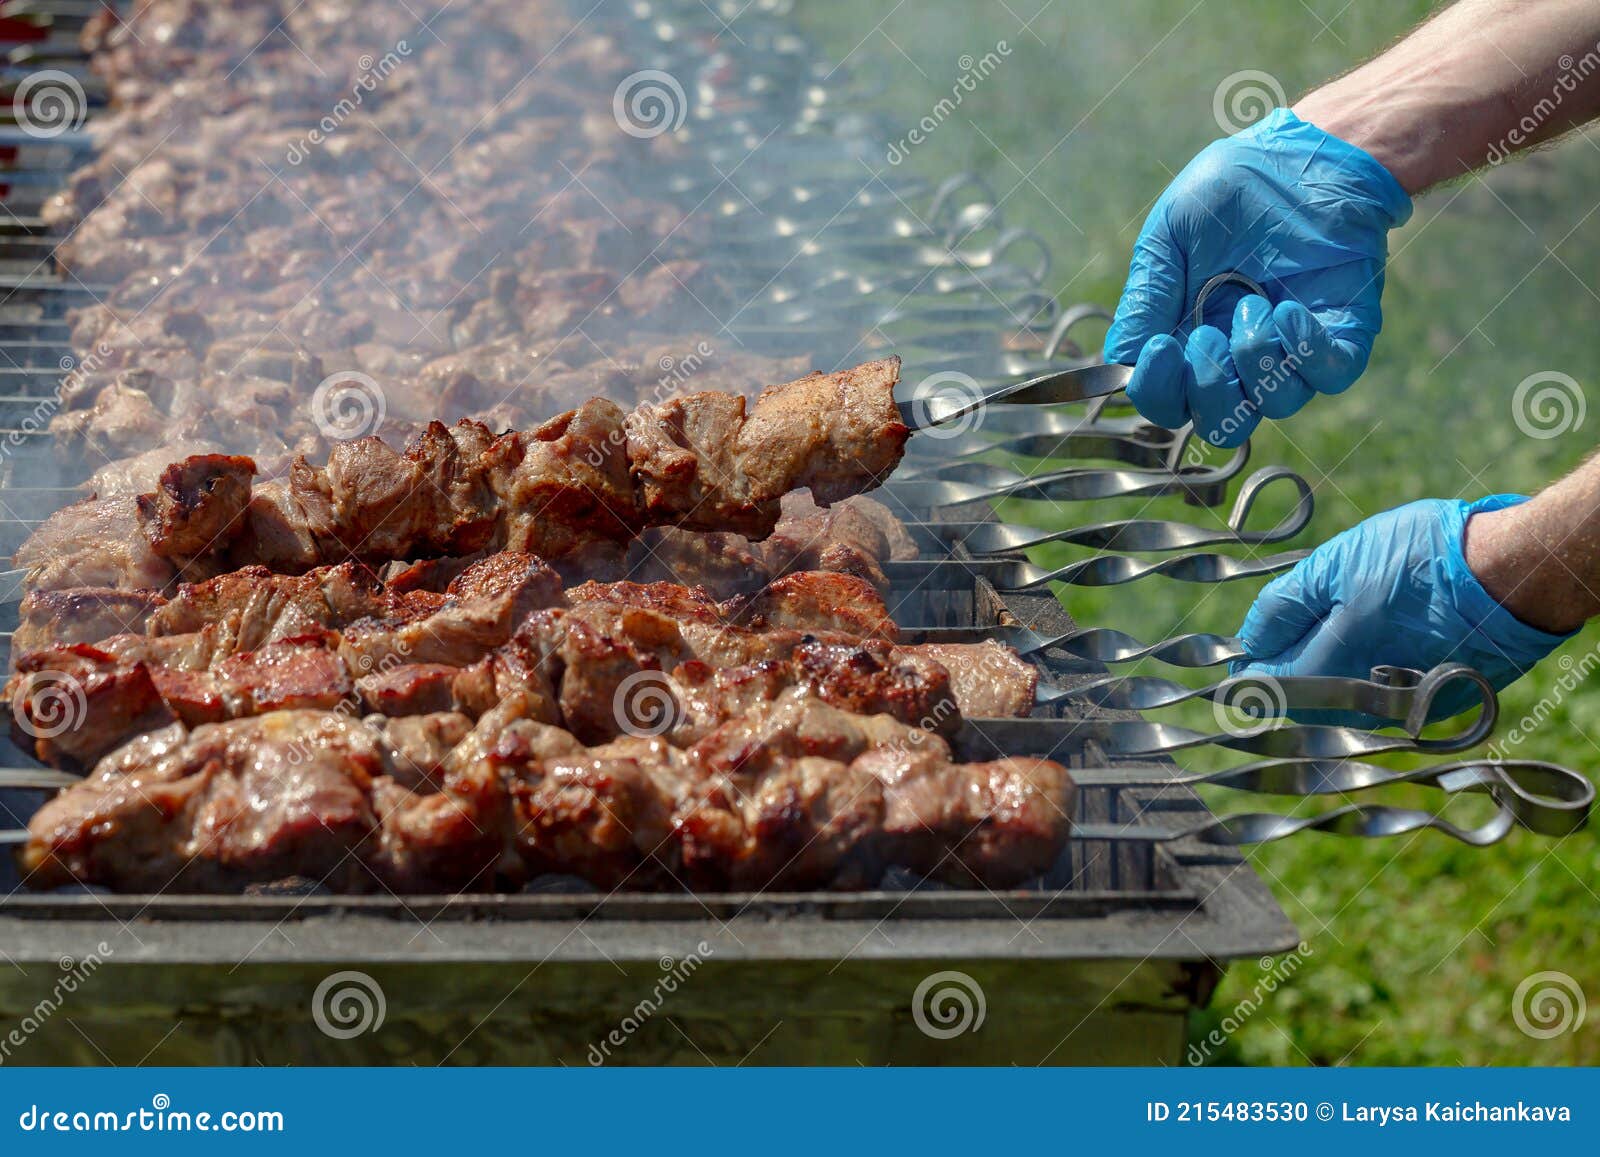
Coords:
1419,943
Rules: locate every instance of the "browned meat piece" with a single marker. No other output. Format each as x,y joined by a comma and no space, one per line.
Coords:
216,808
566,483
71,705
850,538
815,602
588,476
793,794
80,615
853,537
198,505
833,434
94,543
990,679
601,669
703,463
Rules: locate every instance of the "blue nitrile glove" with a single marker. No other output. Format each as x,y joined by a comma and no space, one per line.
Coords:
1394,589
1302,213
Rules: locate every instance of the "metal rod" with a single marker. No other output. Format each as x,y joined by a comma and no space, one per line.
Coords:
1132,534
1100,571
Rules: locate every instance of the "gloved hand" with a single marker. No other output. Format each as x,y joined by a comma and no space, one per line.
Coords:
1301,212
1394,589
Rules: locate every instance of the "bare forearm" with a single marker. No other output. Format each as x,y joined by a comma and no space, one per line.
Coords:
1482,80
1541,560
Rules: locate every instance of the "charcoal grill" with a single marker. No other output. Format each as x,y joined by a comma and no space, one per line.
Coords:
1098,961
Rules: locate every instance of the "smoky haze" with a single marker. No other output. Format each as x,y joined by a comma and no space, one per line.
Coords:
306,222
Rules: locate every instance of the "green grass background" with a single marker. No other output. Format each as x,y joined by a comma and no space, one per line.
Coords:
1418,944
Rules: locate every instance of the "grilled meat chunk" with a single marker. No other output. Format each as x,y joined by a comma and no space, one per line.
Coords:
588,476
793,794
620,660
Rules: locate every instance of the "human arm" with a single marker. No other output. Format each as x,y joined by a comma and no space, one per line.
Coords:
1303,201
1495,584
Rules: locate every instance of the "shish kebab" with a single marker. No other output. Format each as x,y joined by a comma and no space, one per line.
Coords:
587,480
578,656
793,794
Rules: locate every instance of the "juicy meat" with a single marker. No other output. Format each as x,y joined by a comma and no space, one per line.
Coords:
591,475
854,537
793,794
621,659
80,615
990,679
198,503
94,543
704,464
246,609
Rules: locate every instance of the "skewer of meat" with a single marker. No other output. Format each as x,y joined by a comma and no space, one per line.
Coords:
592,476
622,658
793,794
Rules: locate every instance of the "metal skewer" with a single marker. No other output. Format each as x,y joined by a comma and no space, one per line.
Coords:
1094,644
1100,571
1133,534
1390,693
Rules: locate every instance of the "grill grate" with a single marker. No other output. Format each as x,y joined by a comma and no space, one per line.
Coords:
984,316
